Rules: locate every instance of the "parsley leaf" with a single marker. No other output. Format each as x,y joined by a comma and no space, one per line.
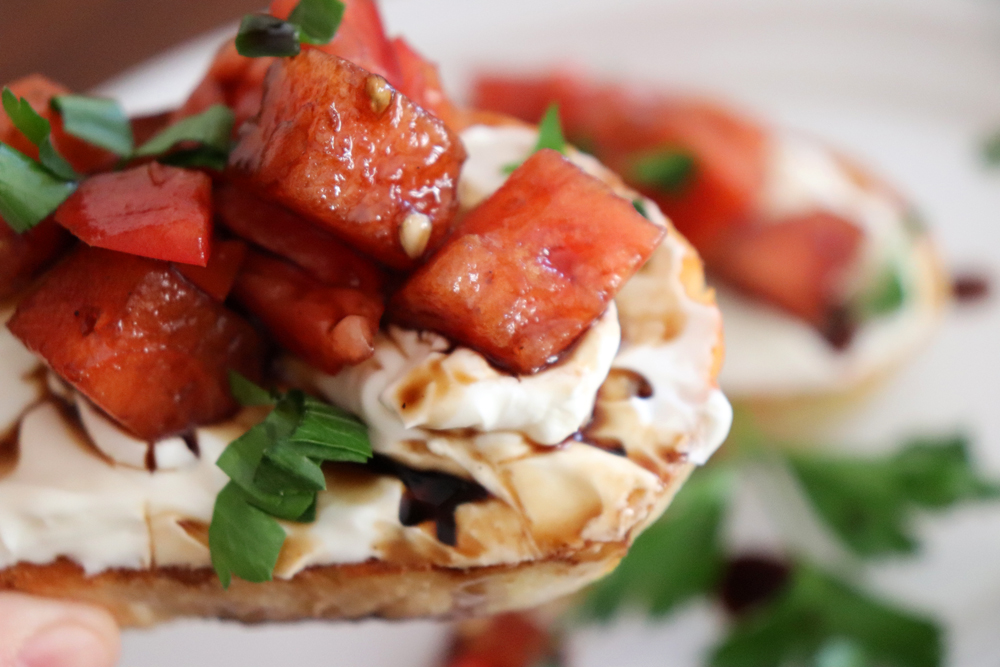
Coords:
550,135
247,393
262,36
677,558
869,504
242,539
666,170
640,207
97,121
29,193
275,469
818,615
212,128
317,19
886,294
311,22
991,149
38,130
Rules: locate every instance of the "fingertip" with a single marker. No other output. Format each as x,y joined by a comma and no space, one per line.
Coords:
37,632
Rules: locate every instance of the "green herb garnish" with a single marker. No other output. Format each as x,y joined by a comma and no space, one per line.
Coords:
884,295
667,170
98,121
311,22
991,149
318,20
870,504
275,473
640,207
38,130
212,130
677,558
29,192
550,135
262,36
818,617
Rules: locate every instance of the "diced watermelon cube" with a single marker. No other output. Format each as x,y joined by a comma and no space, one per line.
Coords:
337,146
529,269
141,342
798,264
217,279
23,256
284,233
151,210
325,325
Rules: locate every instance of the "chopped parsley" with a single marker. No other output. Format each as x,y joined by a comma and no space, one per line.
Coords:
640,206
38,131
666,170
29,192
275,473
311,22
211,130
550,135
98,121
991,149
885,294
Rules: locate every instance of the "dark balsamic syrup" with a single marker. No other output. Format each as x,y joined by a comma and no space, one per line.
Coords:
752,580
430,496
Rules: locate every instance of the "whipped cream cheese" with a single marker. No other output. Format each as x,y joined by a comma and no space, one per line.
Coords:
125,449
428,405
770,353
443,388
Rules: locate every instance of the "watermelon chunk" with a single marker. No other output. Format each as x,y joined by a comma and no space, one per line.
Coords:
217,279
233,80
284,233
335,145
798,264
23,256
151,210
325,325
529,269
420,81
137,339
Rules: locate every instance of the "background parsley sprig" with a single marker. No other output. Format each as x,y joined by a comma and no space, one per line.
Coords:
812,616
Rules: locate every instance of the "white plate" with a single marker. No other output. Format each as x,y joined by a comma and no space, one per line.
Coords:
909,86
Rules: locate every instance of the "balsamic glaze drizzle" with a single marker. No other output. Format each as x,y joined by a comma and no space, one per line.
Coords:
430,496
